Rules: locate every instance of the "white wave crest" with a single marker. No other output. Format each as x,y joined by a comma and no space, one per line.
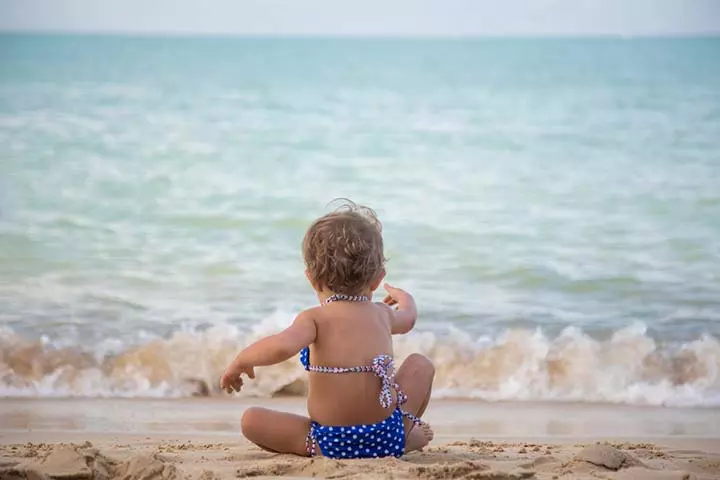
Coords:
628,367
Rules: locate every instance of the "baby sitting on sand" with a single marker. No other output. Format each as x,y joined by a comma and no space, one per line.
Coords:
359,406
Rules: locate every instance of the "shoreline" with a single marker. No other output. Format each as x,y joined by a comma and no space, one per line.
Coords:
221,416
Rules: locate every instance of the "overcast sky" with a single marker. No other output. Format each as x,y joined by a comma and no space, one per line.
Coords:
366,17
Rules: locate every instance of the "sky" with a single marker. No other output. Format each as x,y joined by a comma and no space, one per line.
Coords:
366,17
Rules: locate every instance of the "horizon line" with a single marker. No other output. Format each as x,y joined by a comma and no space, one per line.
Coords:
361,36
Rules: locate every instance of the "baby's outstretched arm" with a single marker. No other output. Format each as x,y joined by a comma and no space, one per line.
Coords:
269,351
404,317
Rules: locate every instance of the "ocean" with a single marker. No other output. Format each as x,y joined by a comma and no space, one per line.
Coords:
552,204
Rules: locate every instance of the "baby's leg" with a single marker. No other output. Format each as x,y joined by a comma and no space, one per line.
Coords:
415,377
277,432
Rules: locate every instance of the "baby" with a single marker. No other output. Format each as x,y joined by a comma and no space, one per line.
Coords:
359,406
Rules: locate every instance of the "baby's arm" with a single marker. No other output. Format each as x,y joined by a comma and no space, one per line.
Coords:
270,350
402,319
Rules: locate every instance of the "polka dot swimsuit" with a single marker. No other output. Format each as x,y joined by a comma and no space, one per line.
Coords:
374,440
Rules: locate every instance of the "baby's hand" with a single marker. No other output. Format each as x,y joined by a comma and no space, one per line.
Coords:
231,380
405,313
394,295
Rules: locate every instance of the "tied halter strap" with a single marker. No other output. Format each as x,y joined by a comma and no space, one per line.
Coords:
382,366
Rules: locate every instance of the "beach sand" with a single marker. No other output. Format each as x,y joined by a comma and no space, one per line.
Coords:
198,439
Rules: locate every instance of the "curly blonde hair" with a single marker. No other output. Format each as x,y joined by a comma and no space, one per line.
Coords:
343,250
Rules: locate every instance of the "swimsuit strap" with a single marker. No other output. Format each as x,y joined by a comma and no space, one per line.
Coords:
319,369
382,366
311,441
339,297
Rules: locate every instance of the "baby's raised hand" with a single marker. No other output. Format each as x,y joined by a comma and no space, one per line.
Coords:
405,313
231,380
394,295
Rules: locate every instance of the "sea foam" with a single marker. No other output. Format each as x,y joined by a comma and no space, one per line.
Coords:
628,367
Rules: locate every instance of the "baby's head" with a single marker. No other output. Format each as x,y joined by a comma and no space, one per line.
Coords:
343,251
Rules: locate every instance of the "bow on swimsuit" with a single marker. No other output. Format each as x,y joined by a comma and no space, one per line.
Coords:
366,440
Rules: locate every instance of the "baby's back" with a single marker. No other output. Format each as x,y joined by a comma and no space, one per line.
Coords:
348,335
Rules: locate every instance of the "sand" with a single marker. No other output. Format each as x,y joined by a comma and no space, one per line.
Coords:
53,439
153,458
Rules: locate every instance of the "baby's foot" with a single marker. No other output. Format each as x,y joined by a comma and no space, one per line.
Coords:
419,436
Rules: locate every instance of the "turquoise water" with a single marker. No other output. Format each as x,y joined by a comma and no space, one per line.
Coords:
542,192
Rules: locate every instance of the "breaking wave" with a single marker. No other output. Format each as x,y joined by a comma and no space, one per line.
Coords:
628,367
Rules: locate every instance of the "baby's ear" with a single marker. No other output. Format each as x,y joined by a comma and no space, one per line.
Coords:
376,284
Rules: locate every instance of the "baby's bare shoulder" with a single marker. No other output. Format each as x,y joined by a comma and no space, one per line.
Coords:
311,313
385,311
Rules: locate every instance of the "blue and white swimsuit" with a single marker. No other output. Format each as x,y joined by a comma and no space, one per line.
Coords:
373,440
